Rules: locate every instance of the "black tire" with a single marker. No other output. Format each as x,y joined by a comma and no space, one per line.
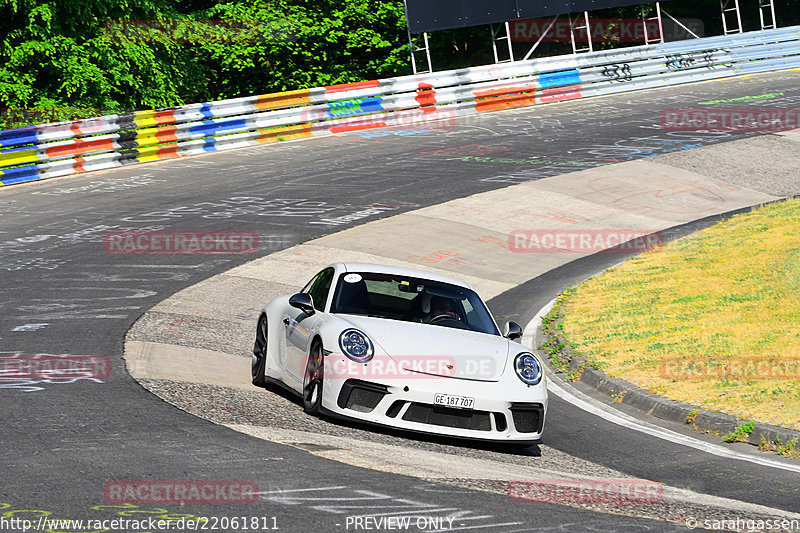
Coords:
312,380
259,361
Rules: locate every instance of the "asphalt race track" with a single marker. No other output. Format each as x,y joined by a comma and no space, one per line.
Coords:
63,293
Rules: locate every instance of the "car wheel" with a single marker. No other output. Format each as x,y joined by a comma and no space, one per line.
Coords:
259,361
312,380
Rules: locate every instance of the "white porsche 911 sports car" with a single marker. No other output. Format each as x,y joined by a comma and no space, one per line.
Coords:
401,348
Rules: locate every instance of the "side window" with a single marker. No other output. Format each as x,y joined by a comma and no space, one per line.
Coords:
319,288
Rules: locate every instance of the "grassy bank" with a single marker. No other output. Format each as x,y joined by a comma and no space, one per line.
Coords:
712,319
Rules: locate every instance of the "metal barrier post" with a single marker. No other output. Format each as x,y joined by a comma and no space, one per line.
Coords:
413,48
645,20
723,5
506,37
767,4
573,27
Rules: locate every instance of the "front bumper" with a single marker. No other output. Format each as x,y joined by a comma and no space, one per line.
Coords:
503,412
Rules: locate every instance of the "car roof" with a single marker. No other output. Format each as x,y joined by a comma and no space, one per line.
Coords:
402,271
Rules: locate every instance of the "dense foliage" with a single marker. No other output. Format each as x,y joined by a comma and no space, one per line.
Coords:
82,56
62,59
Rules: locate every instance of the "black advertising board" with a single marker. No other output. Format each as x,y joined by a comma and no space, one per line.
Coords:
434,15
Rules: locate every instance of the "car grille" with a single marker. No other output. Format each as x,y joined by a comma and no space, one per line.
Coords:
528,417
361,396
500,422
364,396
447,416
395,408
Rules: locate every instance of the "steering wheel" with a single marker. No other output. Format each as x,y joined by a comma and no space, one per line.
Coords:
443,316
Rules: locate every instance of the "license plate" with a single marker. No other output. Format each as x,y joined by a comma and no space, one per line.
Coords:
449,400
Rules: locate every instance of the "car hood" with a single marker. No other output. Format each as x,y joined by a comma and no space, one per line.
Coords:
436,350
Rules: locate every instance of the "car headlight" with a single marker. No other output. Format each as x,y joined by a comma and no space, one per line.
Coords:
356,346
528,368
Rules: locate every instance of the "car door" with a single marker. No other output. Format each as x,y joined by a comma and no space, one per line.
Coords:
300,326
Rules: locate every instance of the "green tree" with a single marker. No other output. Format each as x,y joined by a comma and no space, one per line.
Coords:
299,44
63,53
97,55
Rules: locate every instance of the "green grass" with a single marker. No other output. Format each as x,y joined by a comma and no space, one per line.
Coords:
740,434
724,295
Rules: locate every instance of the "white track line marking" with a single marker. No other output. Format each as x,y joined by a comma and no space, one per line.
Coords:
301,490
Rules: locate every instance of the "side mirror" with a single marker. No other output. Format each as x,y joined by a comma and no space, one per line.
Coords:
512,331
303,302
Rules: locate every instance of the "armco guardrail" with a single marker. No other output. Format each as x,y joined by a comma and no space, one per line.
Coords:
60,149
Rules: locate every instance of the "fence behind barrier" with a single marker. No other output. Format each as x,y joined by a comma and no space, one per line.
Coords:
60,149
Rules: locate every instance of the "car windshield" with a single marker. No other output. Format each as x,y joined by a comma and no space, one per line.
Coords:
412,300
